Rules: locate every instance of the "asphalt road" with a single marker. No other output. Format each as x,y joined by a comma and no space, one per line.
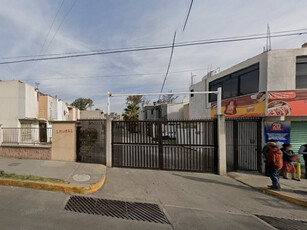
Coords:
189,200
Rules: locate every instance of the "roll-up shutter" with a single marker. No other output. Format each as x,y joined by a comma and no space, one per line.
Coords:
298,136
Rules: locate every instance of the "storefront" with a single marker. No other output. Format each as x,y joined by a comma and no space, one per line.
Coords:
284,114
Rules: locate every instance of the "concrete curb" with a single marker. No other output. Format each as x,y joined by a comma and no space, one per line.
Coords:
55,187
275,193
284,197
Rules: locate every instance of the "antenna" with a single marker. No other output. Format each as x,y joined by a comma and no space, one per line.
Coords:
37,84
192,77
268,46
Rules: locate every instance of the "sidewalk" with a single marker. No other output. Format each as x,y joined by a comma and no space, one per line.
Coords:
80,177
293,191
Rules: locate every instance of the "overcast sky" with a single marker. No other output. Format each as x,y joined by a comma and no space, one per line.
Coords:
108,24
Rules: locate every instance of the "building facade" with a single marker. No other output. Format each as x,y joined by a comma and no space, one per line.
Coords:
271,85
26,115
175,111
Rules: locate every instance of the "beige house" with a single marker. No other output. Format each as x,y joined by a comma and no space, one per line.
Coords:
26,115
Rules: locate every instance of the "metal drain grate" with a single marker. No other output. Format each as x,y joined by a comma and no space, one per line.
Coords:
115,208
284,224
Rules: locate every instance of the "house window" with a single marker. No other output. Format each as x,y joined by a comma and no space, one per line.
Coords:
301,73
213,96
230,88
249,82
239,83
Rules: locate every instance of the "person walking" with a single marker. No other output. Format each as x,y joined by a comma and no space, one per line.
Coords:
265,151
289,157
275,163
303,151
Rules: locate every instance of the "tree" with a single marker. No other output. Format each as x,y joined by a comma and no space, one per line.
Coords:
131,113
82,103
145,101
134,100
168,99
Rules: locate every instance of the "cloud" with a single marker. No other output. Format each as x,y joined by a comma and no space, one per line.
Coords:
24,25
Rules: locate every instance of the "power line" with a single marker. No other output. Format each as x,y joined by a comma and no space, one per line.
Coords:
169,64
100,50
103,50
61,23
114,75
56,15
157,47
187,17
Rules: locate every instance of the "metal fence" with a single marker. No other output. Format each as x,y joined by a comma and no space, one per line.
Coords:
243,144
170,145
27,135
91,141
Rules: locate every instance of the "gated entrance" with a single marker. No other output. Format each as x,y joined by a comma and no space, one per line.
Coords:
243,144
91,144
169,145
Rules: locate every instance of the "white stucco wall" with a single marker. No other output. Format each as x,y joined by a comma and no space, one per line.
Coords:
282,68
91,114
175,111
198,104
31,103
59,110
9,105
18,100
52,108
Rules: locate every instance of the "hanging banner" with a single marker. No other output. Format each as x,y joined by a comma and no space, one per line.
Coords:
252,105
279,131
287,103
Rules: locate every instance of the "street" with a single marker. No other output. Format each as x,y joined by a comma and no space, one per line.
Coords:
189,200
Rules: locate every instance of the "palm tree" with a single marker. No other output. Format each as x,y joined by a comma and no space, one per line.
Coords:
131,113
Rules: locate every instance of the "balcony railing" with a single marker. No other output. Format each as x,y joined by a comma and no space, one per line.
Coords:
27,135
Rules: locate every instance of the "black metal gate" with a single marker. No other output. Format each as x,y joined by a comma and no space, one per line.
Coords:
243,144
169,145
91,144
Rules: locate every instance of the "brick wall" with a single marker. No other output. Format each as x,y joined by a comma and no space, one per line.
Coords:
40,153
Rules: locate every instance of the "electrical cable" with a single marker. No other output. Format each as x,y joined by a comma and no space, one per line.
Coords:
169,64
100,50
187,17
127,50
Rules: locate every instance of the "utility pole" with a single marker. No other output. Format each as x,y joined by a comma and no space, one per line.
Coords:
192,78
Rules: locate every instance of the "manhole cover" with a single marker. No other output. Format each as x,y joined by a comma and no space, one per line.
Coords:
14,164
81,177
116,208
284,224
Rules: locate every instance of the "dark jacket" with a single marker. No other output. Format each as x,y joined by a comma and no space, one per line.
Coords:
265,150
287,154
274,158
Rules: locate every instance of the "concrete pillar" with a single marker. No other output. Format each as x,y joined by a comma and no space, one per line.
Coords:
221,141
109,141
1,135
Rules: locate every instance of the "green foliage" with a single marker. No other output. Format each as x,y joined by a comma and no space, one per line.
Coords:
83,103
88,137
131,112
134,100
168,99
31,178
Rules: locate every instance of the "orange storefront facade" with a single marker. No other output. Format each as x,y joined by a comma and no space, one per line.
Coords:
271,104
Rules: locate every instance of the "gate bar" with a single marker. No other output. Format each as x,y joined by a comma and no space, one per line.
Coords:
218,93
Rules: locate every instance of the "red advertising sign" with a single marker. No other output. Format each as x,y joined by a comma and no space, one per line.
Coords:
287,103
